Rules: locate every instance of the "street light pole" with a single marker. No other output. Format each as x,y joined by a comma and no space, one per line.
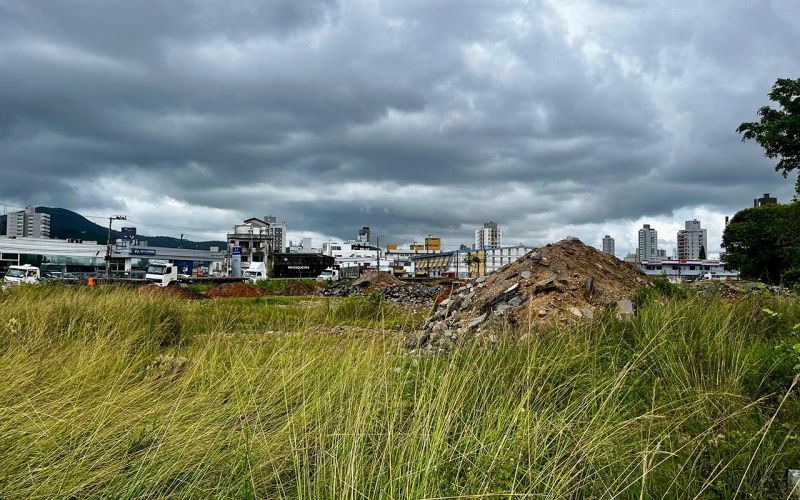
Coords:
108,245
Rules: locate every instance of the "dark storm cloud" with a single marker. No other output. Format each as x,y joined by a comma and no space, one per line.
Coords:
415,117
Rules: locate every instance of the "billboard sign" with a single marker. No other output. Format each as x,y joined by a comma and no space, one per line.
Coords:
129,233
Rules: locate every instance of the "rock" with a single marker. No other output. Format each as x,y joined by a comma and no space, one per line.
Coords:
476,321
544,285
587,313
466,303
535,256
576,312
542,313
512,288
501,308
625,306
481,279
525,275
589,290
516,301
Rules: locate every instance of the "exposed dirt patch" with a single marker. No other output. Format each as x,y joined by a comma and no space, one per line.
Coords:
228,290
376,280
299,288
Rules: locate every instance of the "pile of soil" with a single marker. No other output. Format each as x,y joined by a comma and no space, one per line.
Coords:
298,288
564,281
235,290
376,279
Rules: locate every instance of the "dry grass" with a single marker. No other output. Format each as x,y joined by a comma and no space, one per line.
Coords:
109,393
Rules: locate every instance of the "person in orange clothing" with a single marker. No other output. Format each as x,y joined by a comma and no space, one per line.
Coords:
91,281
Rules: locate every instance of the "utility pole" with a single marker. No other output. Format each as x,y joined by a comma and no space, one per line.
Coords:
378,245
108,241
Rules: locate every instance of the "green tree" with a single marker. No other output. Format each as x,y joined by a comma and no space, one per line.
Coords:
764,242
702,252
778,130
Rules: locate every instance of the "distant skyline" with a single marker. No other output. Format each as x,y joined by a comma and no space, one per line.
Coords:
553,118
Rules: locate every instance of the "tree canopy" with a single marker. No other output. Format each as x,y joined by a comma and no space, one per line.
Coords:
764,243
778,130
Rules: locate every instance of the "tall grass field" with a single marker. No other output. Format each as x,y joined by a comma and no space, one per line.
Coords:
109,392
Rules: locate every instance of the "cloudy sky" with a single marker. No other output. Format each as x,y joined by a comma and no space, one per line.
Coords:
552,117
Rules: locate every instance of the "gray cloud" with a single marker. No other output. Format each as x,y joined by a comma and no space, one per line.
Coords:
414,117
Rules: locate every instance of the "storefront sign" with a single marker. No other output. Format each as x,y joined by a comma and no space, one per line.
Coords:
142,251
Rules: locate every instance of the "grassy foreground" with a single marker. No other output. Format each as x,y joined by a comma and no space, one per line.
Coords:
113,393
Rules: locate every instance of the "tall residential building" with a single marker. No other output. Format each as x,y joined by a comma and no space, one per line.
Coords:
691,240
489,236
608,245
764,200
648,243
279,230
28,223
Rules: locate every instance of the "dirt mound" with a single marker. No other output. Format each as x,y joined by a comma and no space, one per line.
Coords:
376,279
559,282
298,289
174,291
235,290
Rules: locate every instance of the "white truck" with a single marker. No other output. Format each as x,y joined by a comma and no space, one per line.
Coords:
256,271
162,274
329,274
17,275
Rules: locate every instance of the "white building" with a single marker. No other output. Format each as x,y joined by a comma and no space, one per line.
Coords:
353,255
128,258
648,243
305,246
467,263
691,240
401,260
608,245
489,236
279,229
28,224
688,270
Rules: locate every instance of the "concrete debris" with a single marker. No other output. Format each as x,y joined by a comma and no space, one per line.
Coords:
625,306
561,282
396,291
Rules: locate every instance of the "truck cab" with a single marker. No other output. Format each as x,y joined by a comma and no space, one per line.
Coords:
18,275
329,274
162,274
257,271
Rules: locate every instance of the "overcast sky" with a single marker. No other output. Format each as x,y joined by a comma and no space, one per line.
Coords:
552,118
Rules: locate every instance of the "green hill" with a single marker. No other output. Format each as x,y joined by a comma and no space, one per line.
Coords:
66,224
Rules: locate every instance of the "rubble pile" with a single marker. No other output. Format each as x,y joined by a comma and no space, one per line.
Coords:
413,293
341,289
564,281
392,289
